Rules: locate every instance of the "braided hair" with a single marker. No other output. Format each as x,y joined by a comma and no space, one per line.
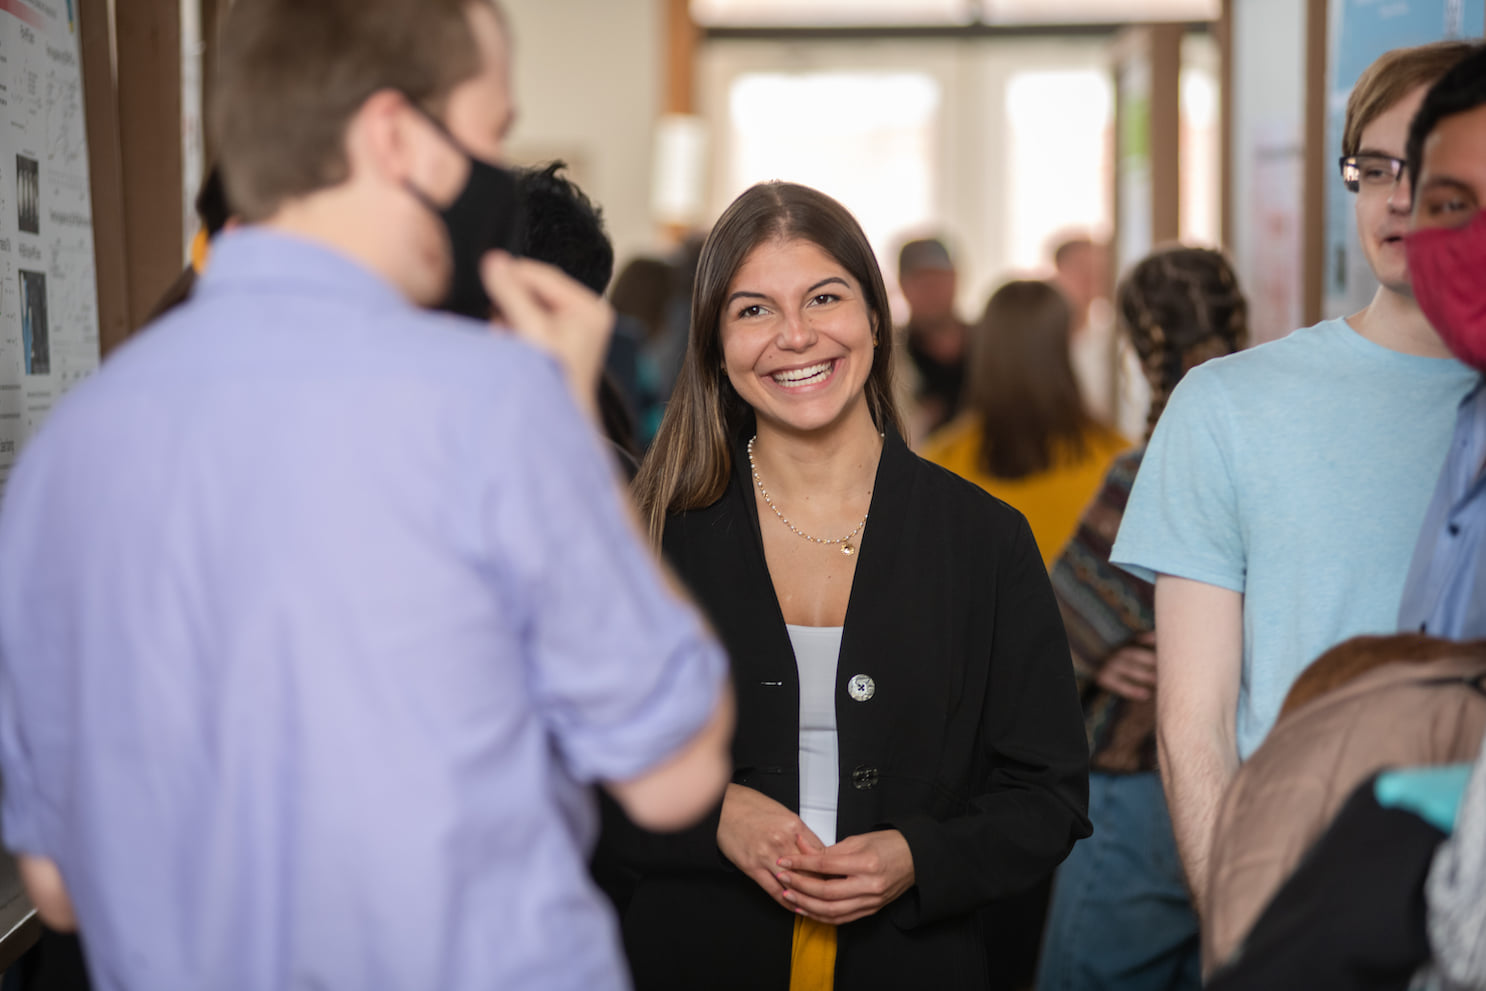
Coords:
1180,306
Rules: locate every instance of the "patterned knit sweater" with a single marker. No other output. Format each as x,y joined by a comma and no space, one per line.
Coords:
1104,608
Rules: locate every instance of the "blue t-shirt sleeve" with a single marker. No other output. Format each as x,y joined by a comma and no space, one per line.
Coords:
621,669
1182,518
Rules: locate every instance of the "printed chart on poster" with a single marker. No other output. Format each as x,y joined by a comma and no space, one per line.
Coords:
1360,31
48,299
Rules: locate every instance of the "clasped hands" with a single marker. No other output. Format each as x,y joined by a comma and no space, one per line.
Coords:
837,884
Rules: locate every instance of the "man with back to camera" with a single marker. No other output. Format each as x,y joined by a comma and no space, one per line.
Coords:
317,608
1445,594
1281,492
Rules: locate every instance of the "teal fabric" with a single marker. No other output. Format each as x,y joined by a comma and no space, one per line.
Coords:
1296,473
1432,793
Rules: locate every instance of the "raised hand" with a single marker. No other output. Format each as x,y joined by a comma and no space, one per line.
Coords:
556,314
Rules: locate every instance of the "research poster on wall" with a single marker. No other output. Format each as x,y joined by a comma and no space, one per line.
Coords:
1360,31
48,295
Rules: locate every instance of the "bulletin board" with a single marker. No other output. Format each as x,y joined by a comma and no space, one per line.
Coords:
1359,31
48,295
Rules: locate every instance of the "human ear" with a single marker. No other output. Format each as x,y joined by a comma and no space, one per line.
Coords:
379,141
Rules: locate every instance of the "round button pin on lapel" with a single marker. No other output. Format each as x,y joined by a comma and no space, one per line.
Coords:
861,687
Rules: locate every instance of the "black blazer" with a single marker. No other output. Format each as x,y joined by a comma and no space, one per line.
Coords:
972,744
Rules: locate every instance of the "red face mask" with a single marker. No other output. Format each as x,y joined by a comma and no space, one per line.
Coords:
1447,266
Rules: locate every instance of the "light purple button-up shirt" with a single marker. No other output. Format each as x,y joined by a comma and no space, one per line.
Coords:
317,614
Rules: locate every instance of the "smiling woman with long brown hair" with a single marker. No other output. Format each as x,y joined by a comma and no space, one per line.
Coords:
908,744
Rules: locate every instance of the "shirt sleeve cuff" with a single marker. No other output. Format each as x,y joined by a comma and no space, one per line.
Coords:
685,696
1147,568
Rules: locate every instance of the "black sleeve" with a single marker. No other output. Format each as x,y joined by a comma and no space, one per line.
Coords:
1347,917
1034,804
628,848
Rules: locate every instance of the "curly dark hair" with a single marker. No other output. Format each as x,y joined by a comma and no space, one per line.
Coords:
1180,306
563,226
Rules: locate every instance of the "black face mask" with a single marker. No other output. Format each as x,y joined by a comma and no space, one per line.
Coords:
484,216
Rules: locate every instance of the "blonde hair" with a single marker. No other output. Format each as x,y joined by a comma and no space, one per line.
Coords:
1391,77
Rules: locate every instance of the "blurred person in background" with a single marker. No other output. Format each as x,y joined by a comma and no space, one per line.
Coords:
909,747
1121,918
934,339
562,227
642,296
1081,270
641,290
321,611
1024,435
213,215
1284,486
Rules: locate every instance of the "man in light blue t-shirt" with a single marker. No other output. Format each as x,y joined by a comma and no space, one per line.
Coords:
1281,494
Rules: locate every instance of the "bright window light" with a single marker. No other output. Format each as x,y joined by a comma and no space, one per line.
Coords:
868,139
802,13
1058,147
837,13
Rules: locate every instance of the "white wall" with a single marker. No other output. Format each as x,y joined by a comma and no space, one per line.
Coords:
1268,159
588,81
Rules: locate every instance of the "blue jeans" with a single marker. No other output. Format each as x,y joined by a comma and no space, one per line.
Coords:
1120,916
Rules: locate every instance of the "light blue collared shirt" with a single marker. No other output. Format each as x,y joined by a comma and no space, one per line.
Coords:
1445,594
318,614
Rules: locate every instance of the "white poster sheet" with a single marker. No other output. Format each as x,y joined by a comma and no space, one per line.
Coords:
48,294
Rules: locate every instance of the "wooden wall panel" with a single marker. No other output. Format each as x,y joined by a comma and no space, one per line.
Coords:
1223,30
1166,129
149,94
681,57
1317,173
105,171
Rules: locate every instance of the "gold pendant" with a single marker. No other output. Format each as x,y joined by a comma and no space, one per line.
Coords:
848,550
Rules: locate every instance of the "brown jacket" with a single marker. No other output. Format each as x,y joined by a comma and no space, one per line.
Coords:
1406,712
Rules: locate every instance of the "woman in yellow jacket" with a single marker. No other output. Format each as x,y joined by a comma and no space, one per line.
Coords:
1024,435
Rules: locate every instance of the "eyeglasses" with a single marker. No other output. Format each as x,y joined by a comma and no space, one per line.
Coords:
1372,171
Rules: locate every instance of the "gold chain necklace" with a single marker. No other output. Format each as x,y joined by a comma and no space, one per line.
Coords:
847,548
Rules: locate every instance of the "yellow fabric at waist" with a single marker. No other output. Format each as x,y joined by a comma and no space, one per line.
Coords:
812,964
